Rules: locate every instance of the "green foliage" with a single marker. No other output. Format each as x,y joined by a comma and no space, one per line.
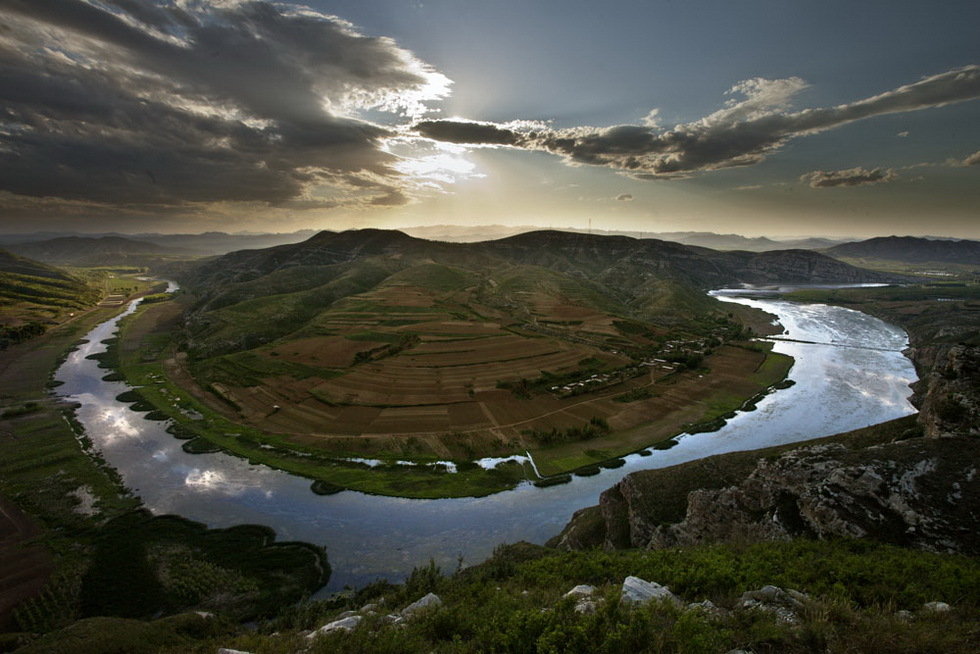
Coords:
404,342
11,335
22,410
635,395
595,428
157,297
553,481
143,565
514,603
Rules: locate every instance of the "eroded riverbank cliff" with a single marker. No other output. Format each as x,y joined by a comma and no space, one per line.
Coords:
919,492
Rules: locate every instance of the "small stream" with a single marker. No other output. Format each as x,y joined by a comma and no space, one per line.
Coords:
849,373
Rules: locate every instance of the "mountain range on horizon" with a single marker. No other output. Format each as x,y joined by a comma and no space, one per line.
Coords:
57,247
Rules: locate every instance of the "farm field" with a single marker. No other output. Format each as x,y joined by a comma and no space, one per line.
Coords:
430,367
404,360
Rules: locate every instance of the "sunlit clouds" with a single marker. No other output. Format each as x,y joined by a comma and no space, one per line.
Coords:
165,105
748,129
197,115
849,177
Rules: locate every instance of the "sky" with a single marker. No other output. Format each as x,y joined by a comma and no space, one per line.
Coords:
776,118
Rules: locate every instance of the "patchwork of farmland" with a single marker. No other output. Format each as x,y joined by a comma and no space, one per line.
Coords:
403,359
443,360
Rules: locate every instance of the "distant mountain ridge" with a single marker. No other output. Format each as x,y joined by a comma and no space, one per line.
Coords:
206,243
910,249
85,251
474,233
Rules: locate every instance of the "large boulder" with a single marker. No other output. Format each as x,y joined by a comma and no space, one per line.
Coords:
348,623
582,590
639,591
429,601
784,604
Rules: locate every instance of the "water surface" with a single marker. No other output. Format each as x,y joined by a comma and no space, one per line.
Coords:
849,374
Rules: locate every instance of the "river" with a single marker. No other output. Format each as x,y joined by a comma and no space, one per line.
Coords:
849,373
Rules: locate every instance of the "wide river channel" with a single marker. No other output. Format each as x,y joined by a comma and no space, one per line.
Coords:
849,373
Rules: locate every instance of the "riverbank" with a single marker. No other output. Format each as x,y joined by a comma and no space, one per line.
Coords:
943,323
45,471
73,535
728,379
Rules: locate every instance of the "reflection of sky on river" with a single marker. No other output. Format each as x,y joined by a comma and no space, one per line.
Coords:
838,388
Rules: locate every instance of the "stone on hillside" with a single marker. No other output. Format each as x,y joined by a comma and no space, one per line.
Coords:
343,624
346,614
429,601
935,607
392,618
225,650
772,599
904,616
369,609
582,590
708,608
638,591
585,606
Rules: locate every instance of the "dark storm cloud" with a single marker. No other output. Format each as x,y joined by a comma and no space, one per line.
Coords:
468,132
162,104
849,177
743,133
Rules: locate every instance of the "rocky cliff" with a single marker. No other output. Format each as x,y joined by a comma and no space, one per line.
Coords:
919,492
948,391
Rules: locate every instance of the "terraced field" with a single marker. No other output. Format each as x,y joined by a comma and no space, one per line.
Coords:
406,360
438,357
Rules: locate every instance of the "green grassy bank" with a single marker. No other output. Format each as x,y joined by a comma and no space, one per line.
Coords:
144,345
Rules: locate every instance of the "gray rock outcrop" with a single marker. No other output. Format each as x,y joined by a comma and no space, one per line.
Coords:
348,623
920,492
429,601
582,590
640,591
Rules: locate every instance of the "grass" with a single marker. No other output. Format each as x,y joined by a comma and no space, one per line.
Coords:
513,603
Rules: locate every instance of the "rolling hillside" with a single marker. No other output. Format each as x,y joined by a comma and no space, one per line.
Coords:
33,292
280,290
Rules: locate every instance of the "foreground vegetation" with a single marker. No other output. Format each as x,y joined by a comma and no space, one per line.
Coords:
514,603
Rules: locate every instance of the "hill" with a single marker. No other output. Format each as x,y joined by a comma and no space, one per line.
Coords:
473,233
204,244
86,251
33,293
910,249
375,343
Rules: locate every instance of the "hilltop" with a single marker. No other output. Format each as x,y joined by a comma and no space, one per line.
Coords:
473,233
